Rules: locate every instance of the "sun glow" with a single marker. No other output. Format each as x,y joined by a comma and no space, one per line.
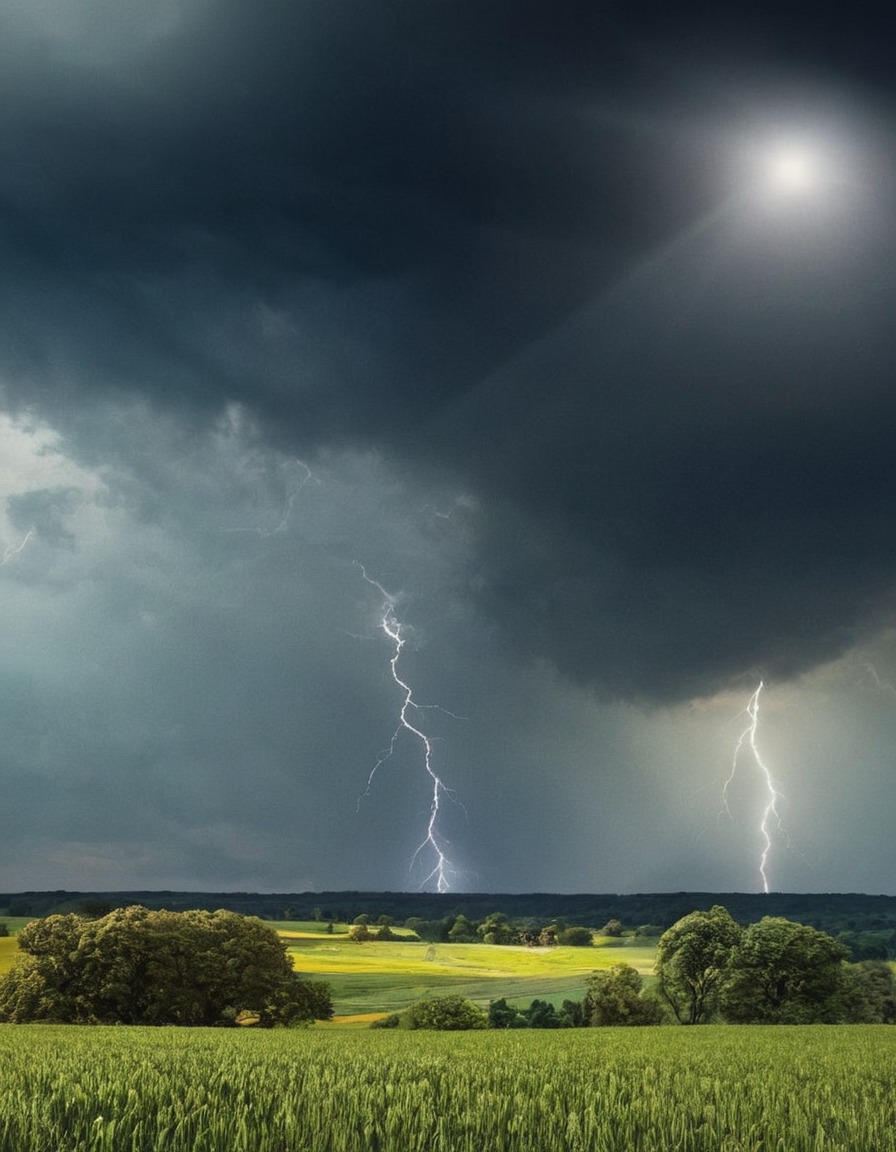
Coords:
793,170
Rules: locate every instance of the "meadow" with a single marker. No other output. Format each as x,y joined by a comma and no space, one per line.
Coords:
709,1089
382,977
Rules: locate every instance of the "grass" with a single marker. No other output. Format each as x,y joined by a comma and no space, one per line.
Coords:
15,924
385,977
708,1089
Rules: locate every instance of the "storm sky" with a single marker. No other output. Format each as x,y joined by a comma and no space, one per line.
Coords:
570,324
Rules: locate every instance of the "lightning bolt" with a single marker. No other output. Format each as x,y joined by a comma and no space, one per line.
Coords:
431,842
14,549
770,814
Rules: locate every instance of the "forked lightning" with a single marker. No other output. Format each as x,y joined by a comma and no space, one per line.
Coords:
770,812
431,843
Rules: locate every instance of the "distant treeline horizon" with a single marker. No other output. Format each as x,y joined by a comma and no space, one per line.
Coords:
851,915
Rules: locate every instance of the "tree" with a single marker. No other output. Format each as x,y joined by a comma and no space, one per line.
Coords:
359,933
497,929
446,1014
135,966
691,961
543,1014
573,1011
576,937
870,995
504,1015
4,928
611,928
785,973
615,997
462,931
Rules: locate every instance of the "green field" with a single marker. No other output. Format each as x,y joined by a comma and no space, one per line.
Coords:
709,1089
379,977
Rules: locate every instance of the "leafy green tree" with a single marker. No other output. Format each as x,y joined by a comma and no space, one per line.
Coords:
4,928
462,931
611,928
135,966
446,1014
781,972
497,929
573,1011
384,932
359,933
576,937
615,997
504,1015
870,994
691,961
543,1014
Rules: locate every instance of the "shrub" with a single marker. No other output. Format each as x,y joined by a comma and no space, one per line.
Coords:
446,1014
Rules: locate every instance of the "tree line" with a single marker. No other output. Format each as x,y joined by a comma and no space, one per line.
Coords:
495,928
865,923
708,968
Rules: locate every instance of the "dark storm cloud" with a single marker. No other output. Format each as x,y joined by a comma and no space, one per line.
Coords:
372,226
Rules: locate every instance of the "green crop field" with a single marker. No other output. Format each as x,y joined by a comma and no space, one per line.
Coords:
708,1089
377,977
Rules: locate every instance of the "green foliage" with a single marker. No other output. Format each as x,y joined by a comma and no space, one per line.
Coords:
611,928
393,1020
539,1014
4,928
576,937
462,931
870,993
497,929
691,961
504,1015
446,1014
135,966
614,997
784,973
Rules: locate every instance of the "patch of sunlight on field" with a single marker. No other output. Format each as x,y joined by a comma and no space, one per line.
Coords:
482,960
357,1020
388,977
9,950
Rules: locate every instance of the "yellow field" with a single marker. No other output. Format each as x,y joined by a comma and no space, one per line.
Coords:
376,978
486,961
8,952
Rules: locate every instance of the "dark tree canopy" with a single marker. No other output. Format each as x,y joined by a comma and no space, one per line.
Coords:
785,973
870,993
136,966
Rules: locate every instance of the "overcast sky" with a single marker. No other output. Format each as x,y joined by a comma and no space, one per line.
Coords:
569,325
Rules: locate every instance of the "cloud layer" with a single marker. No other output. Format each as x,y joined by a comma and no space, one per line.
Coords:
494,303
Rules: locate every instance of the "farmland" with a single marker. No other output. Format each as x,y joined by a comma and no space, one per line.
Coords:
604,1090
386,977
